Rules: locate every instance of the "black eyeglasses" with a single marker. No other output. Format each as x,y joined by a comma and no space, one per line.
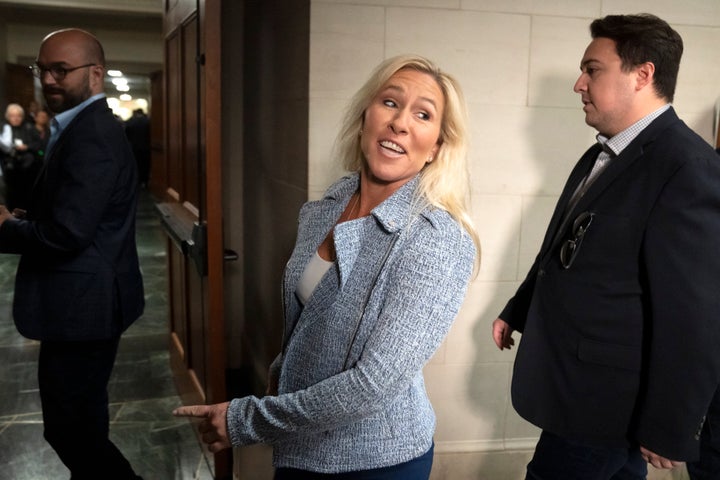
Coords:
571,247
57,72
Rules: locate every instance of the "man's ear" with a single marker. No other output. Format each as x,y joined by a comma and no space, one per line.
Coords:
644,75
97,78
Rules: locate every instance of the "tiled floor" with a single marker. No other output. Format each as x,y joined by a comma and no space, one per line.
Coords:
142,393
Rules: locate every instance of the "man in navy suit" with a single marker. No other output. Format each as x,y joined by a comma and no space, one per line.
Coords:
707,467
78,284
620,311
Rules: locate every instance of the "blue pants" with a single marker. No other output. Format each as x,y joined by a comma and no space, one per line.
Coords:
708,466
416,469
557,458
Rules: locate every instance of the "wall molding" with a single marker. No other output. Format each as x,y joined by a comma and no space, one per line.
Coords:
473,446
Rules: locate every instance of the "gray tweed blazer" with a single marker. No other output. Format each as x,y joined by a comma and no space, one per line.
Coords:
351,391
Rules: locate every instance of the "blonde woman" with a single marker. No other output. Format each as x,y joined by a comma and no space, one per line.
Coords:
378,273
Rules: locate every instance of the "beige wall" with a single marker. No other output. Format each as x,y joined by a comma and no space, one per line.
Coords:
517,61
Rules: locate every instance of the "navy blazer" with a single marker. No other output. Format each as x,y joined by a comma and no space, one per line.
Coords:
621,348
78,276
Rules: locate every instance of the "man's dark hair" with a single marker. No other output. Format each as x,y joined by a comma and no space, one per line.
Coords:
644,38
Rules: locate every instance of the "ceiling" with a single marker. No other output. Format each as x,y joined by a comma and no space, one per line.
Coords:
116,15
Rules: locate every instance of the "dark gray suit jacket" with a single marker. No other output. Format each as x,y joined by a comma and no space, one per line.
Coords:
621,348
78,276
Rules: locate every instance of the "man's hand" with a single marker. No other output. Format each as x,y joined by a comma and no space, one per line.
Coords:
656,460
213,427
4,214
502,334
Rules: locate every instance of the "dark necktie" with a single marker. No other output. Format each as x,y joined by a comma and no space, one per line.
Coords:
601,162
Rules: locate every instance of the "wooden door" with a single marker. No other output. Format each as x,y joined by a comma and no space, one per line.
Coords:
191,206
19,87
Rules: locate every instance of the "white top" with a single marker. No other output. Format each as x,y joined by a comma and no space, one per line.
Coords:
6,138
313,273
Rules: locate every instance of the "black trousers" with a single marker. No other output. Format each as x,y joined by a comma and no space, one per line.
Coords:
708,466
558,458
73,379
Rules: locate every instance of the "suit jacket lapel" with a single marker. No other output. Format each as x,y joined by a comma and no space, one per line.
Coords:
631,154
43,173
558,220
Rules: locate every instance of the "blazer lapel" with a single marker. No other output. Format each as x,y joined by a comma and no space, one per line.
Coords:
631,154
560,215
40,176
349,237
323,216
371,237
316,230
616,167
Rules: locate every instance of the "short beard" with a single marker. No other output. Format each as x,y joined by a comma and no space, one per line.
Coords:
69,100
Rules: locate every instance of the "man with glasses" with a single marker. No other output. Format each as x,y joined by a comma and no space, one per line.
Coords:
620,312
78,283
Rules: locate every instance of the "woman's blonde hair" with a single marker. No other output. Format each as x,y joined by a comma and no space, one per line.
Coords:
444,183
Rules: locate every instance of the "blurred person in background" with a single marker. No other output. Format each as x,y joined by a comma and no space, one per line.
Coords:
19,148
42,126
137,130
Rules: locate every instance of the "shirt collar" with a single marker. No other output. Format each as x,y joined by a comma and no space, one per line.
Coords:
618,142
63,119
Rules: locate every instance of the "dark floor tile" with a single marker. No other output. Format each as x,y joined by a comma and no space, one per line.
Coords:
151,410
129,390
25,455
161,450
19,403
141,390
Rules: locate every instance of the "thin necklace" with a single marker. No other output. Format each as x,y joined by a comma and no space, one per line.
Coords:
345,216
351,211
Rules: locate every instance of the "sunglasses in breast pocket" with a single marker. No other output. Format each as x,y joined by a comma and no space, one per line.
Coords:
571,246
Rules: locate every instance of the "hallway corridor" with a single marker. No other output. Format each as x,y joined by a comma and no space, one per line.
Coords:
142,393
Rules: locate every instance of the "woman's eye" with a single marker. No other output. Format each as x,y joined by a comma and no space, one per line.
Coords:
389,103
424,115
